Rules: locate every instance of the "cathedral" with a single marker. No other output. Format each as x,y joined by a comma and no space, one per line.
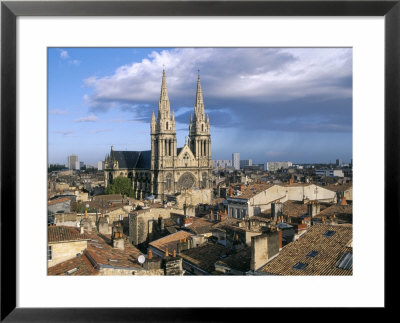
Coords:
165,169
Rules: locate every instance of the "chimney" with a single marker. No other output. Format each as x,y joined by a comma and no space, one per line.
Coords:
263,247
279,238
313,209
343,201
161,223
276,210
150,254
117,237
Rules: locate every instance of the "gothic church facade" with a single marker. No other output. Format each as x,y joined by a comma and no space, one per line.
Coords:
165,169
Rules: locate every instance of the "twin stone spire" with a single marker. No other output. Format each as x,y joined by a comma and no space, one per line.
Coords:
199,124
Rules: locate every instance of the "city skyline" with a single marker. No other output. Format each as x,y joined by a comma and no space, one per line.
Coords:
298,101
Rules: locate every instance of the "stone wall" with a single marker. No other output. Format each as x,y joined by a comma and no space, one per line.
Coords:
66,219
63,251
194,197
142,223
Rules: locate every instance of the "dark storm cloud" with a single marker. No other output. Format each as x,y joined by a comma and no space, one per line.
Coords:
305,90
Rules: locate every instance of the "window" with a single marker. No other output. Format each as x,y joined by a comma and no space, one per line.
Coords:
49,253
345,261
329,233
312,254
300,266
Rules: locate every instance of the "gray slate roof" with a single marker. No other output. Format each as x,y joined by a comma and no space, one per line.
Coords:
132,159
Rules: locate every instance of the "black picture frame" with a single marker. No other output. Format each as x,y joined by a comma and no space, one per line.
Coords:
10,10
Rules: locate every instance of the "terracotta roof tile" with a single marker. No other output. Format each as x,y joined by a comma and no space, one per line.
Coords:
252,190
78,266
59,200
100,251
63,234
329,251
170,241
239,260
205,256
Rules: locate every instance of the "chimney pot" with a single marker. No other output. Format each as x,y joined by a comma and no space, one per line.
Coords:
150,254
166,253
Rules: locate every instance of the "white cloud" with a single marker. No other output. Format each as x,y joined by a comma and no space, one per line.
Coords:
253,74
64,54
91,118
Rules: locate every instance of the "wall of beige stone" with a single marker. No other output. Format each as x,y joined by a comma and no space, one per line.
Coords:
154,272
348,194
141,224
115,272
194,197
63,251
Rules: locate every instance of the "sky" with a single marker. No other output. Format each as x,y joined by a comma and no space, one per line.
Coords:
268,104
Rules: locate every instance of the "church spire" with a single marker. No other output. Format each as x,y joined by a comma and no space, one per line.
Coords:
199,104
163,104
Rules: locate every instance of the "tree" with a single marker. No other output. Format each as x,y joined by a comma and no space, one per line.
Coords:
120,185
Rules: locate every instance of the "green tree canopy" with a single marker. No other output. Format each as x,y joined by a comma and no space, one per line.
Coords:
120,185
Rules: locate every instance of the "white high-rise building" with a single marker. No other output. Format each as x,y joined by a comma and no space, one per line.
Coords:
222,163
72,162
100,165
236,160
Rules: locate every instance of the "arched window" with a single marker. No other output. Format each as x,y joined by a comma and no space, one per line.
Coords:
166,126
202,127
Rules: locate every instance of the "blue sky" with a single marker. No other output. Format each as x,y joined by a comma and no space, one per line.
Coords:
268,104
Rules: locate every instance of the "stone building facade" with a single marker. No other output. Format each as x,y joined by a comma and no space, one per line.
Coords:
166,169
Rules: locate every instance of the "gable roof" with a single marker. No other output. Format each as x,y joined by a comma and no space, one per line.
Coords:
183,150
170,242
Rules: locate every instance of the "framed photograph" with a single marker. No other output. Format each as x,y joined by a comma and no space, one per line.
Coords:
66,66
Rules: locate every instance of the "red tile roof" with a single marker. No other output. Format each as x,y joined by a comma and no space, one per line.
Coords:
64,234
100,250
252,190
170,242
60,200
204,256
329,251
78,266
